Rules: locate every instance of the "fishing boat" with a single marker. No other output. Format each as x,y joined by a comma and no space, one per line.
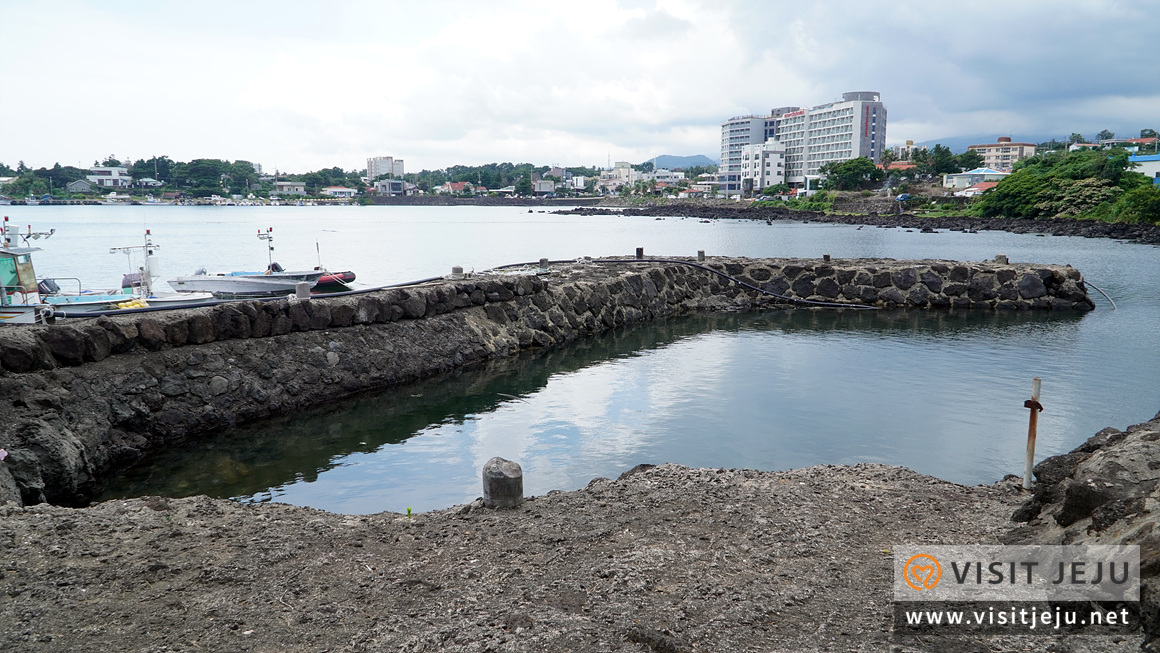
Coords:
20,301
136,291
274,281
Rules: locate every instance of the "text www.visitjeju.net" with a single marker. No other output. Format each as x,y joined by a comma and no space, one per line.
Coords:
1018,617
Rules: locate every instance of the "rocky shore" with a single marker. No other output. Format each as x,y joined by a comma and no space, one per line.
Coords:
663,559
1141,233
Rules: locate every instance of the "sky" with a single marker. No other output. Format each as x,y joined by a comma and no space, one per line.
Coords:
299,86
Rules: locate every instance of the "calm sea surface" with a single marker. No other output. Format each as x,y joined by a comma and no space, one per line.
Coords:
936,392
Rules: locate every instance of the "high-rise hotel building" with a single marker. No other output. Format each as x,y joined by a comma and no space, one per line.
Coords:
383,165
838,131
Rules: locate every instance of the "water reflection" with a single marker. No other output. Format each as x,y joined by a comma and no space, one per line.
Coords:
770,390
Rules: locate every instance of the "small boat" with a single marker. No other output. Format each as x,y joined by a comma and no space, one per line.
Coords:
241,284
20,301
334,282
274,281
136,289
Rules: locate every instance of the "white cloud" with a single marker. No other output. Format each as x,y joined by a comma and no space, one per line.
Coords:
305,85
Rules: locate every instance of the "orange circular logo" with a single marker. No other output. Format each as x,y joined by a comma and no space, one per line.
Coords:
922,571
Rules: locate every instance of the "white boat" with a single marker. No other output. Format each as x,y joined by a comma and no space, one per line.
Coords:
20,301
274,281
136,289
241,284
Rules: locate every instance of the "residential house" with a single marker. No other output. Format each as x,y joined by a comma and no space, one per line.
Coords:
1148,164
1083,146
339,191
972,177
544,187
79,186
149,182
977,189
110,176
456,188
1003,154
289,188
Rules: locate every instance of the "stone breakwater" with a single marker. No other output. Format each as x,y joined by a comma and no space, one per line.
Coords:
88,397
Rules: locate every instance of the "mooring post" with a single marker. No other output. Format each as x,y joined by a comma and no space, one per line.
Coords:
700,255
1036,408
302,290
503,484
1001,258
640,252
826,258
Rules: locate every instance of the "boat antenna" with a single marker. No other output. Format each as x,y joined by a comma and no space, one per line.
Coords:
268,236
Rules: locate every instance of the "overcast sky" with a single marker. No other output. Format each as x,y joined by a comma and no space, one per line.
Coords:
306,85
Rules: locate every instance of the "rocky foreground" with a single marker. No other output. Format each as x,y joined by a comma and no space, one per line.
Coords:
663,559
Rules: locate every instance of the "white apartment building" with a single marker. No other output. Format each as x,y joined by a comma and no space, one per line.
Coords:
834,132
762,165
110,177
384,165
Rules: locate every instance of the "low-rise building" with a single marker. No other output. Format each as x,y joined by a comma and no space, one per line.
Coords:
339,191
972,177
456,188
544,186
149,182
977,189
79,186
1002,155
391,187
1148,164
289,188
110,176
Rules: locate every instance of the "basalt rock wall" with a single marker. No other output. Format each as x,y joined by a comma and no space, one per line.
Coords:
86,397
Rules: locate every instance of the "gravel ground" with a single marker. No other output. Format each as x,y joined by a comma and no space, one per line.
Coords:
663,559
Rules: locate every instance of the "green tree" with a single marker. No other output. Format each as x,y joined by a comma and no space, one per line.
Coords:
969,160
1148,133
776,189
1076,137
692,172
1140,204
851,174
524,185
5,171
1105,135
111,161
942,161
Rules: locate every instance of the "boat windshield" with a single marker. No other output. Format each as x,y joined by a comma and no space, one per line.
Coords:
16,275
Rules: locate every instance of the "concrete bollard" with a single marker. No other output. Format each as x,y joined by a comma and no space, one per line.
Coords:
826,258
503,484
1001,258
700,255
640,252
456,271
302,290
